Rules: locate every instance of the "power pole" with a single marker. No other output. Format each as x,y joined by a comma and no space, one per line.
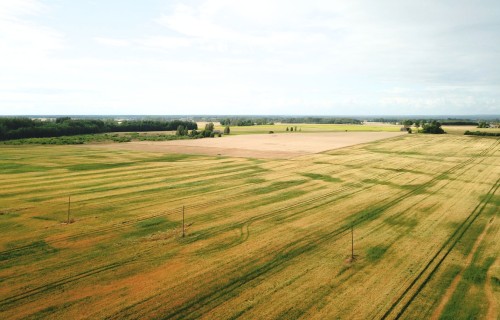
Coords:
352,242
183,230
69,207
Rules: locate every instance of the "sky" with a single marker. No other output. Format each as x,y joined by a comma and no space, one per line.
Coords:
270,57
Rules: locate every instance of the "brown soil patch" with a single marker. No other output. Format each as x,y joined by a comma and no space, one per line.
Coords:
277,146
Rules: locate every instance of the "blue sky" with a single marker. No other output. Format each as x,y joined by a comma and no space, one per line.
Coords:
249,57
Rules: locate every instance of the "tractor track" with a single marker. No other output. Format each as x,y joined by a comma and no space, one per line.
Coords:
55,284
313,241
288,251
437,259
126,223
446,248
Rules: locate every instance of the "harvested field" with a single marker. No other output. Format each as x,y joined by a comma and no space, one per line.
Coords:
264,238
278,146
308,128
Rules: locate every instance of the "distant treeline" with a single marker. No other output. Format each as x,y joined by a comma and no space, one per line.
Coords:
249,121
459,123
22,128
245,121
385,120
443,122
480,133
321,120
447,122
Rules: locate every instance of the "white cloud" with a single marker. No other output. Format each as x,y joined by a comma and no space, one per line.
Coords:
25,45
164,42
113,42
221,56
12,9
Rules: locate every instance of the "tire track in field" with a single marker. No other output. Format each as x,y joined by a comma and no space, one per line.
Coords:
337,232
451,289
49,286
286,209
70,279
340,231
490,295
437,259
84,204
126,223
374,213
448,181
313,241
219,292
55,284
453,170
151,216
483,154
173,211
49,204
111,186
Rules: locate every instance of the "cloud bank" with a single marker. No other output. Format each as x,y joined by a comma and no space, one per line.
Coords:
258,57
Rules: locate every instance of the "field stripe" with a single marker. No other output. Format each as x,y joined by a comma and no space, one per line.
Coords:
312,238
430,268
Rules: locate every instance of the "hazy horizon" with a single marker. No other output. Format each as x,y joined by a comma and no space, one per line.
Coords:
360,116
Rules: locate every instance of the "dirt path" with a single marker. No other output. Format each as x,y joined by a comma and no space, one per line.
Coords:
451,289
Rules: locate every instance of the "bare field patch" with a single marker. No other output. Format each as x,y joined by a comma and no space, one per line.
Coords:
277,146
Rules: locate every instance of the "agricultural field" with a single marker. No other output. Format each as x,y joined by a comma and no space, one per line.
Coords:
261,146
460,130
308,127
97,232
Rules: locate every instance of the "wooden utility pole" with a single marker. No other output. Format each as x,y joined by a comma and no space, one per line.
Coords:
69,207
352,242
183,230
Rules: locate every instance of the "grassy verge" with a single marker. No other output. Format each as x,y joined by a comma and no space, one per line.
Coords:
98,138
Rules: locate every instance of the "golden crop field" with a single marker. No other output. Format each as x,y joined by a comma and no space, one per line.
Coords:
308,127
264,239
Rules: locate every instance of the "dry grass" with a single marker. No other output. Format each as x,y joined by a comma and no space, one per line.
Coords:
264,237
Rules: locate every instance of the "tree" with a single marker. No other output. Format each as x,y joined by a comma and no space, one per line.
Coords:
417,125
287,129
407,123
483,124
3,131
225,122
209,126
62,119
433,127
291,128
227,130
180,131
